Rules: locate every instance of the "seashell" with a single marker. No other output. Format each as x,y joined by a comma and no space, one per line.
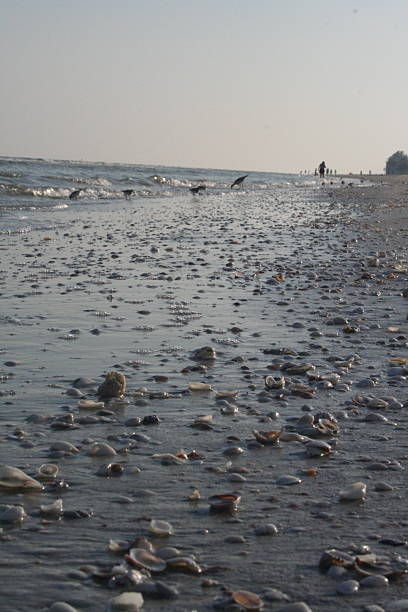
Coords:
169,459
47,470
267,437
225,502
118,546
54,510
355,492
144,543
233,451
374,582
13,478
247,600
61,606
332,556
199,387
317,448
272,382
110,469
289,436
206,353
167,552
65,447
336,572
160,528
203,422
114,385
86,404
101,449
226,394
144,559
301,368
12,514
287,480
347,587
264,530
126,602
185,564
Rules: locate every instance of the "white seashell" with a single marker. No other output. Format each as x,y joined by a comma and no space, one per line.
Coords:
229,409
355,492
101,449
287,480
47,470
13,478
126,602
12,514
160,528
348,587
53,510
65,447
86,404
199,386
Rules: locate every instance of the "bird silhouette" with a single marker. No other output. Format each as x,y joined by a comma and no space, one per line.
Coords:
75,194
198,189
128,193
239,180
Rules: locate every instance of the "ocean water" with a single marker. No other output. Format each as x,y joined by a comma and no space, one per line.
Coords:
34,193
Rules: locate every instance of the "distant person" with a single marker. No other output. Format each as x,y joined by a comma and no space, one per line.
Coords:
315,172
239,181
322,169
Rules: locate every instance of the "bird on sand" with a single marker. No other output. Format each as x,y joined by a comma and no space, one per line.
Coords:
198,189
75,194
239,180
128,193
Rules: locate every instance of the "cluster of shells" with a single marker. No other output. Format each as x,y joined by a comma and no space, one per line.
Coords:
364,569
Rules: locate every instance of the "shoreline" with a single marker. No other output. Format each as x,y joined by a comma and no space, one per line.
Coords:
268,287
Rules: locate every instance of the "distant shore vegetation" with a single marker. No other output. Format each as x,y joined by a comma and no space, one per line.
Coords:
397,163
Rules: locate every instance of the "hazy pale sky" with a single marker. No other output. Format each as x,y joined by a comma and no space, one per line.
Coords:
242,84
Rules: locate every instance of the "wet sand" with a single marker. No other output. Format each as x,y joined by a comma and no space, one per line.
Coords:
307,285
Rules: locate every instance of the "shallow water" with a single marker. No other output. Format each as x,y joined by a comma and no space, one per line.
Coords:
158,278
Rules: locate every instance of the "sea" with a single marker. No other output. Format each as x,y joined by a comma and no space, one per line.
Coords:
34,193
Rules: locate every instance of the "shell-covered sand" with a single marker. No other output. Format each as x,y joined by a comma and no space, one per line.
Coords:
309,289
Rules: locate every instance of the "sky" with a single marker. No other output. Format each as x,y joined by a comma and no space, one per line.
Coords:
260,85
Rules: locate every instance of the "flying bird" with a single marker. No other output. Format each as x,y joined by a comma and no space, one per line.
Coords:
198,189
75,194
239,180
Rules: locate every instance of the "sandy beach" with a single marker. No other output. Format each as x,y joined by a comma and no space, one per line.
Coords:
302,301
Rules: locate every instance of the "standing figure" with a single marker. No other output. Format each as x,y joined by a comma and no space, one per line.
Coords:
322,168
